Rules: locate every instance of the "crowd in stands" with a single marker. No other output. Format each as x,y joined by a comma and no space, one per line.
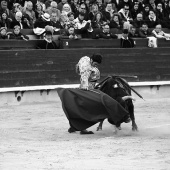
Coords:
85,18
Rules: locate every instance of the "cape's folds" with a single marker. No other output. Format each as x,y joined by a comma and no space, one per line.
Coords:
86,108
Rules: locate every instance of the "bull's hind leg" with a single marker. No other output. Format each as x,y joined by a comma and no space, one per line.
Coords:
99,128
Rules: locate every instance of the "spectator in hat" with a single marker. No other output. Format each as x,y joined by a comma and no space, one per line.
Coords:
16,34
43,21
126,41
48,42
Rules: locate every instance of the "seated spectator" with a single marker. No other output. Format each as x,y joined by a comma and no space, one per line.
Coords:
53,9
64,20
152,20
75,6
158,33
16,34
126,17
70,34
144,32
28,10
55,21
38,11
60,5
152,5
82,9
125,2
47,43
116,22
97,22
4,8
43,21
126,41
133,33
106,34
5,21
145,12
135,10
83,27
93,12
160,12
70,21
3,33
108,12
101,6
138,21
20,20
66,9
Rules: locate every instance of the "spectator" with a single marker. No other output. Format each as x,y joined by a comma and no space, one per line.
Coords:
158,33
160,12
70,34
83,27
66,9
3,33
144,32
43,21
116,22
60,5
53,8
48,4
70,20
4,8
125,14
152,20
138,21
93,11
64,19
126,41
108,13
20,20
55,21
82,9
30,13
5,21
97,22
145,12
101,6
135,10
106,34
16,34
38,11
47,43
75,6
152,5
133,33
125,3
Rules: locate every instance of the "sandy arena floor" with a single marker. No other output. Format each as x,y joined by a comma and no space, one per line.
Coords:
35,137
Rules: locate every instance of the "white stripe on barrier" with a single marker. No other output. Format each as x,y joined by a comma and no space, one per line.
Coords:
51,87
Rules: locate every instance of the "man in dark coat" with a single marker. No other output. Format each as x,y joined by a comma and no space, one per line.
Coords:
47,42
126,41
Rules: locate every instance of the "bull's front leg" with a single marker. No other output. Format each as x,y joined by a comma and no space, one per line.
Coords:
134,126
99,128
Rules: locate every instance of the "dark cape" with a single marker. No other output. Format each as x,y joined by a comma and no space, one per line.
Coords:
84,108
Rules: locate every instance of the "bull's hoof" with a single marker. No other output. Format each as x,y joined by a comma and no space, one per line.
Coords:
85,132
127,120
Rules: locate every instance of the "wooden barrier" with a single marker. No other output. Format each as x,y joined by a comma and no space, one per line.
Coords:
51,67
